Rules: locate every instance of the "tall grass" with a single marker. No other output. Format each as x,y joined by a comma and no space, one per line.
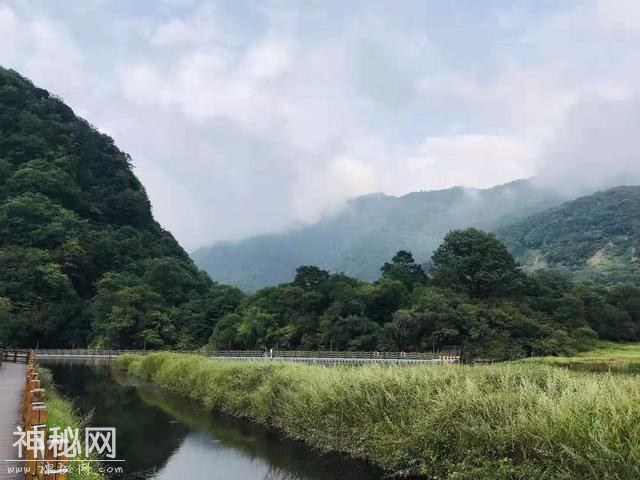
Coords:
497,422
61,414
606,357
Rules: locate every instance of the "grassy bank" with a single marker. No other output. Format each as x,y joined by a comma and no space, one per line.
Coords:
606,357
62,414
497,422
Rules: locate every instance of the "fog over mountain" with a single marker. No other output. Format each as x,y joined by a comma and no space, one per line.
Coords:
245,119
369,230
593,238
598,147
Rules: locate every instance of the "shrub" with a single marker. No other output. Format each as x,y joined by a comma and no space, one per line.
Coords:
501,421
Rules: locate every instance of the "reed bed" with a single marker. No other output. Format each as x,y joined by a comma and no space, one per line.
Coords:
606,357
511,421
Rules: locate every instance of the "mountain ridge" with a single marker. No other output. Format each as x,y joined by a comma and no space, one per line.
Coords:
594,237
82,260
369,230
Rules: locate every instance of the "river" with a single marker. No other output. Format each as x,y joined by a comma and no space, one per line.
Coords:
163,437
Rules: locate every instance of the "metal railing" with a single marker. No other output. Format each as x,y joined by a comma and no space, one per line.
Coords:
449,355
15,356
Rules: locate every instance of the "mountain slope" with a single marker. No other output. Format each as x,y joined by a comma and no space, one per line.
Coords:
81,257
369,231
594,237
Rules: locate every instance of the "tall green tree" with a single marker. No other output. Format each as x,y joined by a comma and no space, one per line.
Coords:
404,268
477,263
310,277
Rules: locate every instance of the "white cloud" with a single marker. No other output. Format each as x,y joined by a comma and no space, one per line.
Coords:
8,31
269,59
478,160
42,49
599,146
244,119
204,26
617,16
318,193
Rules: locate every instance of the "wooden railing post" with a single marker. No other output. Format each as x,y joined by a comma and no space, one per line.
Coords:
34,420
57,464
34,417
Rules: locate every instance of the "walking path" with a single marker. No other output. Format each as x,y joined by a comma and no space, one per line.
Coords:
12,378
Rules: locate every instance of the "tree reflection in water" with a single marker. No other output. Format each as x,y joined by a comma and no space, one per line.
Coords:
163,437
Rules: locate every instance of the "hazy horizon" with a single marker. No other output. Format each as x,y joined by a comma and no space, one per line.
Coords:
245,119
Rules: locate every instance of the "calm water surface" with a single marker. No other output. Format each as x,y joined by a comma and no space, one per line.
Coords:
163,437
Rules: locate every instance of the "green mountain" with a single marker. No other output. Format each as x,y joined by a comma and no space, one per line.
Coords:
82,261
596,237
369,230
81,258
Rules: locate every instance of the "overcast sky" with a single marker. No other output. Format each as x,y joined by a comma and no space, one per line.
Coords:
245,117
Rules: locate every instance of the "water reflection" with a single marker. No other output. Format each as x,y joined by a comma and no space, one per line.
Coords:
163,437
109,404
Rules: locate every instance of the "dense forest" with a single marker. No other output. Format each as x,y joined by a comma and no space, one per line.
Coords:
475,295
81,257
594,238
82,262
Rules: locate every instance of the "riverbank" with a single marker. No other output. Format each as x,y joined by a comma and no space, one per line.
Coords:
606,357
62,414
495,422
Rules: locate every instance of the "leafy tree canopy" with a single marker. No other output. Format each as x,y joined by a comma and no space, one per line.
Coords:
81,259
404,269
477,263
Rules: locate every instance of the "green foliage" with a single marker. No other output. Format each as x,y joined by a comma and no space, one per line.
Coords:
309,277
404,269
499,422
476,297
595,238
46,178
404,331
81,258
32,220
475,262
604,357
39,298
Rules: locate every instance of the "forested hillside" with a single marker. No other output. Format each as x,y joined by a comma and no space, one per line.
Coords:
82,261
369,231
81,258
596,237
475,296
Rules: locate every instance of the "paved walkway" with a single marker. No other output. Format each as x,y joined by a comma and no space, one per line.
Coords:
12,377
